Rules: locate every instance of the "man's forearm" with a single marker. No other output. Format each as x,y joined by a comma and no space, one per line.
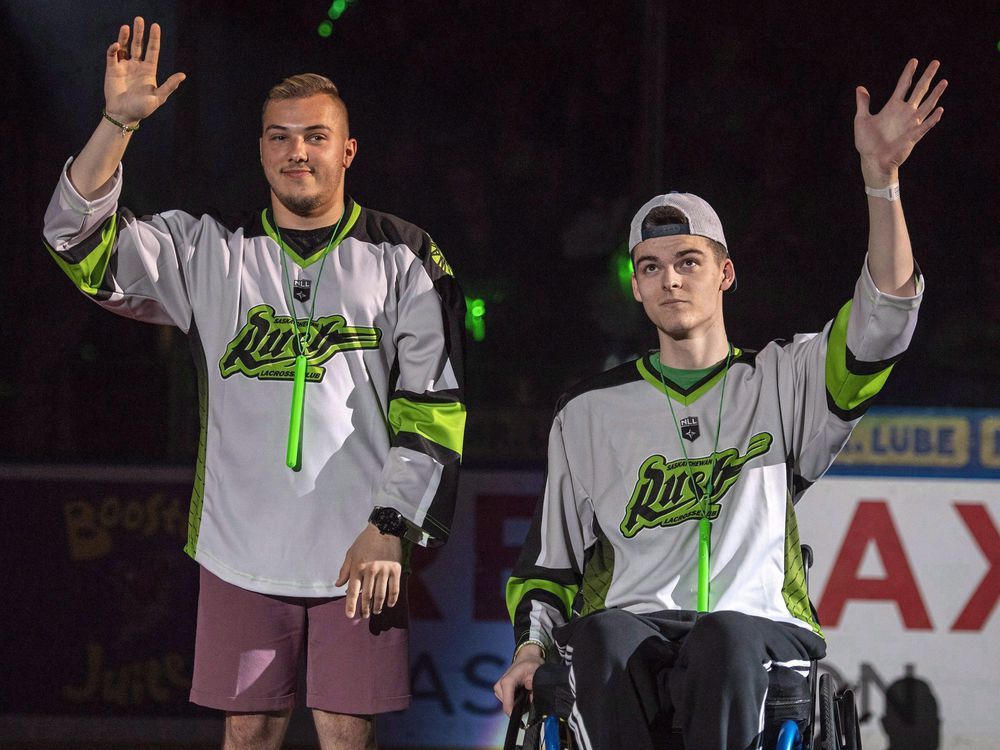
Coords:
890,256
92,170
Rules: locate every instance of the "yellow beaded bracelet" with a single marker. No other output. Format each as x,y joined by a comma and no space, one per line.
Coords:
532,642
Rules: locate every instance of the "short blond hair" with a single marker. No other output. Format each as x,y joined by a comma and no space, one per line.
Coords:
302,85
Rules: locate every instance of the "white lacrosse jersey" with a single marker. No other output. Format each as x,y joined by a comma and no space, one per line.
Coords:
617,522
384,407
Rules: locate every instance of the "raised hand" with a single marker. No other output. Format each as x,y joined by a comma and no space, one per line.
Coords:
885,140
130,90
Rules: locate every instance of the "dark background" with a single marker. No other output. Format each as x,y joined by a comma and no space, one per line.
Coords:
522,136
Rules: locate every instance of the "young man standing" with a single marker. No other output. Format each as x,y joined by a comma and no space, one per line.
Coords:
702,429
327,339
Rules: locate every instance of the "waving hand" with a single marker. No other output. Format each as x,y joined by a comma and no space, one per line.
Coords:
130,90
885,140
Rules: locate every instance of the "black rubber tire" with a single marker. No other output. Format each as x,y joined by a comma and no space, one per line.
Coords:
826,738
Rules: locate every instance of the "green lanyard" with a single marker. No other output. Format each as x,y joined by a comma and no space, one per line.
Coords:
704,522
293,453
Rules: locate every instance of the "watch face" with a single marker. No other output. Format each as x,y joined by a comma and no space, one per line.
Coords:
389,521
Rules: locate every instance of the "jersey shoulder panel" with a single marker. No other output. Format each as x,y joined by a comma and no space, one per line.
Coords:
232,222
623,374
377,227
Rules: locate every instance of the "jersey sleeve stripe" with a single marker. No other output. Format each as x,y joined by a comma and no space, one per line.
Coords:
440,423
447,396
87,263
540,589
421,444
849,392
856,366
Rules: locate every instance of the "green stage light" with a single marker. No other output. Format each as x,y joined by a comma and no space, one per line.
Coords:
621,264
337,9
325,29
475,314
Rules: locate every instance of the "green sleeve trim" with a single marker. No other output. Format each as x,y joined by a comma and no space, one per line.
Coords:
441,423
89,272
518,588
848,390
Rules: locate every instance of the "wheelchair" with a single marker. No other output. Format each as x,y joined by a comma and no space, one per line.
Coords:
789,711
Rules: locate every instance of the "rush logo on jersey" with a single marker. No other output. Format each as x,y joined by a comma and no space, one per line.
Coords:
265,347
665,496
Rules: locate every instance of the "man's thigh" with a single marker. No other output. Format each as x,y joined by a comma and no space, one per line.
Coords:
616,662
616,635
356,665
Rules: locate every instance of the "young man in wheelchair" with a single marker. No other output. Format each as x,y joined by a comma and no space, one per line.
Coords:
639,455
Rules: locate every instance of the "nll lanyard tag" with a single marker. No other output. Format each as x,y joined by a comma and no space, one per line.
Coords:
293,456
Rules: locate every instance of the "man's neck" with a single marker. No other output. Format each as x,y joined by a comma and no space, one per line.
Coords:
694,353
291,220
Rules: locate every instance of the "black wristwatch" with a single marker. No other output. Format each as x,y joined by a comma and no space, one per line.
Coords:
388,521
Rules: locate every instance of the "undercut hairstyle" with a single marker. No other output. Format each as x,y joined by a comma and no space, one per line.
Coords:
302,85
663,215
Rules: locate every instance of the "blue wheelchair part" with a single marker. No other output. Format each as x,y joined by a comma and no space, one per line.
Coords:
789,736
552,733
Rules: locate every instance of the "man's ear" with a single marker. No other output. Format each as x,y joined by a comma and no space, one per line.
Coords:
350,151
728,275
635,289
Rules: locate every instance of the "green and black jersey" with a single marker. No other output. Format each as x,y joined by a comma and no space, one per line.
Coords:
384,407
617,523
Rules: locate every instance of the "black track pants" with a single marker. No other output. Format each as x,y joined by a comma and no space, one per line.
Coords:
631,673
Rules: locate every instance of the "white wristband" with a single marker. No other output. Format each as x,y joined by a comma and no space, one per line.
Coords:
890,193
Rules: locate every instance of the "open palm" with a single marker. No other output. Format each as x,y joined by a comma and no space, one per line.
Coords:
885,140
130,90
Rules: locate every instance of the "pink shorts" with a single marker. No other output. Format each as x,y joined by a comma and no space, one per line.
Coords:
248,646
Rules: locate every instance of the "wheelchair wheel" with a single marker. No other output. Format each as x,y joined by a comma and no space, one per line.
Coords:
522,732
827,737
838,720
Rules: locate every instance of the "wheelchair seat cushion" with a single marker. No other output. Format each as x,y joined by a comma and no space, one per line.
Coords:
788,696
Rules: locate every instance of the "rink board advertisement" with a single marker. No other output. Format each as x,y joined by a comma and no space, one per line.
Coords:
905,529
